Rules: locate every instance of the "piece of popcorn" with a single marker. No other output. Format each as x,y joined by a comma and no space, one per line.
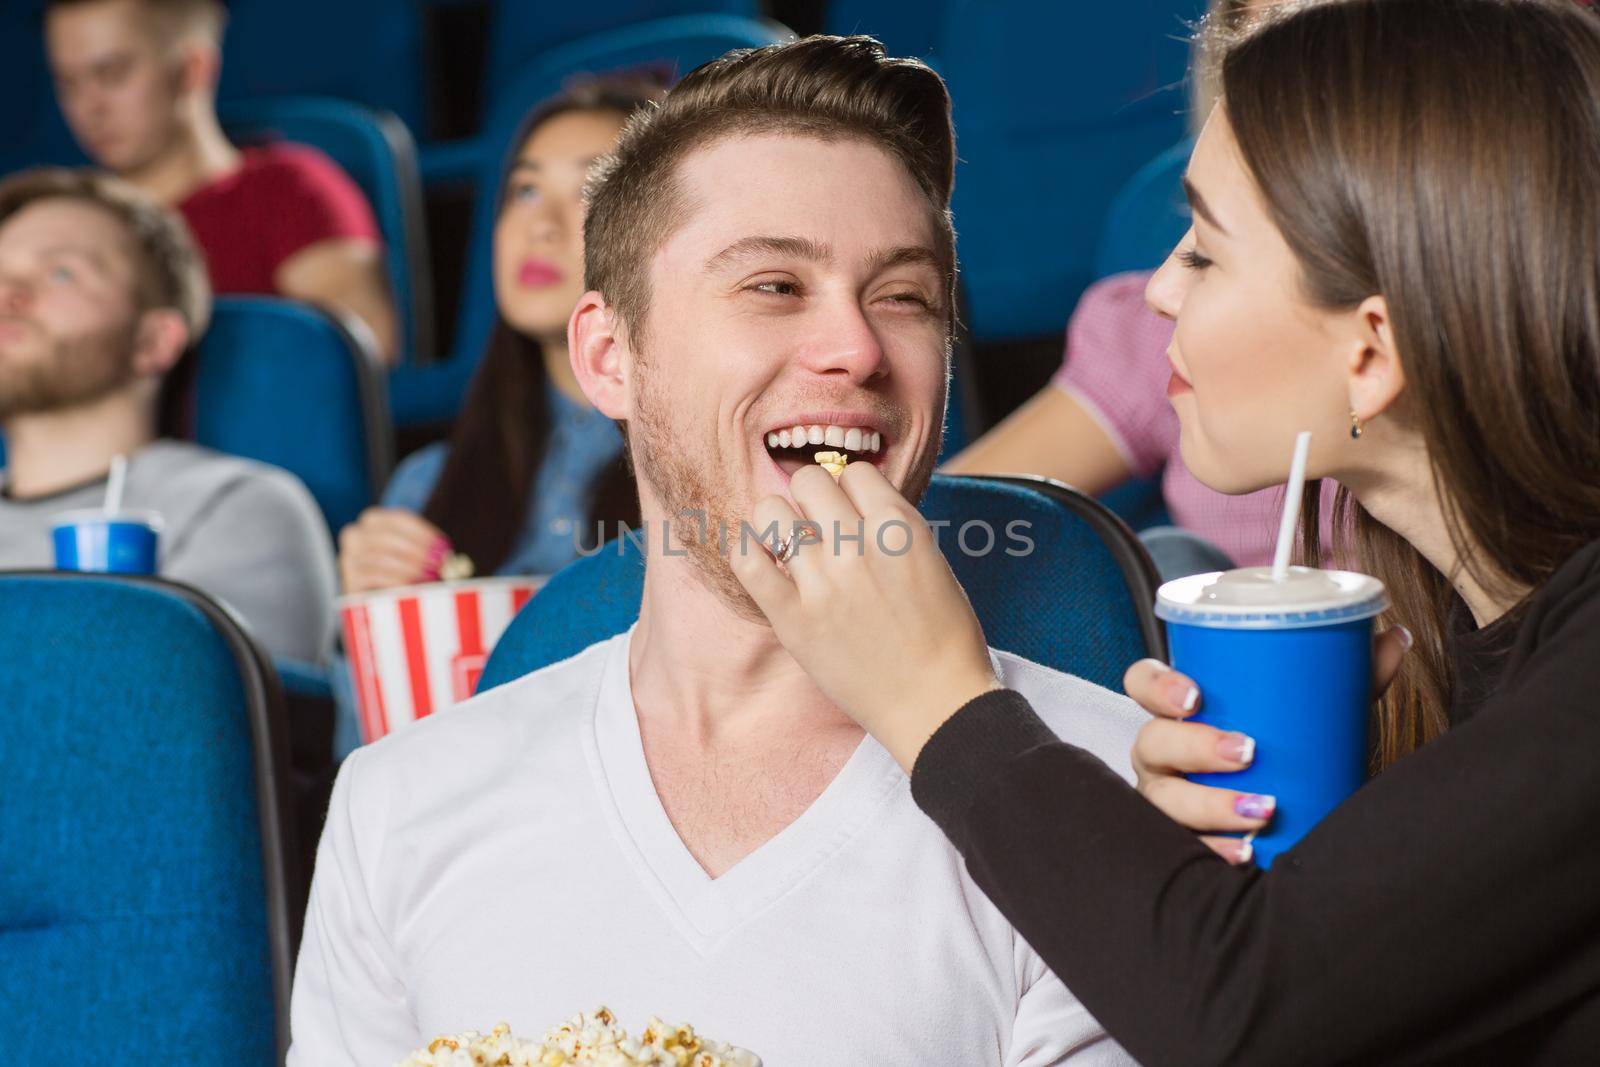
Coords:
456,567
832,462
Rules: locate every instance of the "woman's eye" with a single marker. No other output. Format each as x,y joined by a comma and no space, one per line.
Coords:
777,288
525,193
912,300
1193,260
63,275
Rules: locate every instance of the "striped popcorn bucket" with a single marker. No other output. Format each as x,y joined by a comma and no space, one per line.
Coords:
421,648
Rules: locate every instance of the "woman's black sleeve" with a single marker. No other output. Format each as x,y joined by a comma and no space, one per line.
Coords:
1455,897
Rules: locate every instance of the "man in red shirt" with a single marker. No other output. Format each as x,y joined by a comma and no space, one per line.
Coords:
137,80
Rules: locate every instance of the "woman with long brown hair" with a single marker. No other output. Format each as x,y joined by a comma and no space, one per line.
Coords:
532,474
1396,246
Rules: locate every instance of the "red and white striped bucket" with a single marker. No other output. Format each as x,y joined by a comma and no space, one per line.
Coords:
421,648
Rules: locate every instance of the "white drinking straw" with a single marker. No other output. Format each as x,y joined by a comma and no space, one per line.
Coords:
114,484
1291,506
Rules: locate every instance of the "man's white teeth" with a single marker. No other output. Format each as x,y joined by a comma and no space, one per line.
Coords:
855,438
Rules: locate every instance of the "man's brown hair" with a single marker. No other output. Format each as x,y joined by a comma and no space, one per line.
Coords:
169,269
171,19
824,87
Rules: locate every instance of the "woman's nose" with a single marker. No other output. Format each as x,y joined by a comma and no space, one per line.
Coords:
1164,293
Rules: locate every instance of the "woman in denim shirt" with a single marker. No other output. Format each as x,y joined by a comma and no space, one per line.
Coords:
531,473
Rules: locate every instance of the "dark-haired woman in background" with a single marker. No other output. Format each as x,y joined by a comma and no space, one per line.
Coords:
531,472
1396,246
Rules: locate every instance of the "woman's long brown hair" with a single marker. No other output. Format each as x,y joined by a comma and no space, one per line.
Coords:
1445,154
481,498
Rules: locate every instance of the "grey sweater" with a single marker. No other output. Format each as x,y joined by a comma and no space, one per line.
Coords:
247,534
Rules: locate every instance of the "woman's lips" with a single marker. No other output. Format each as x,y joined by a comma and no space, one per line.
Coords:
1177,385
537,274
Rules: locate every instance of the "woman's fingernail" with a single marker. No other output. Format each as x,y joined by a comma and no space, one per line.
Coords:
439,549
1405,638
1254,805
1239,748
1183,693
1243,853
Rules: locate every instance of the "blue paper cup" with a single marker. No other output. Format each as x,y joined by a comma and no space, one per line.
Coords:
123,542
1289,664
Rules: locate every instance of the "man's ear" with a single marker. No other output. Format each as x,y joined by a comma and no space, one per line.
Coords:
1376,376
600,356
199,66
159,342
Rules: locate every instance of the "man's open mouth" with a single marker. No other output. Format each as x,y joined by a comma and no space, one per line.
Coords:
793,447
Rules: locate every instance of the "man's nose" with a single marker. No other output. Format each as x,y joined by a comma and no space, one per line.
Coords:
848,347
15,295
1164,293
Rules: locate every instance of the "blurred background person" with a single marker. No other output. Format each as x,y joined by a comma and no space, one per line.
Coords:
102,294
1104,418
531,472
137,81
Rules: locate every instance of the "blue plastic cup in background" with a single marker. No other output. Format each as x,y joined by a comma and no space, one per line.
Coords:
1288,663
122,542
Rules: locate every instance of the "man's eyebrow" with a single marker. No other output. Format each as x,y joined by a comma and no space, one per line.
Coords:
1198,203
903,256
764,244
104,63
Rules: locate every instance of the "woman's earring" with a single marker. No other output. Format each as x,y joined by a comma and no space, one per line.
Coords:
1355,426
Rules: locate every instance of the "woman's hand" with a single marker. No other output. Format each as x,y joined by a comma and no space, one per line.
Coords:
868,606
389,547
1168,748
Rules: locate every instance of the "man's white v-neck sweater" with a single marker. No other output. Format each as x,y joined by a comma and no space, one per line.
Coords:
509,860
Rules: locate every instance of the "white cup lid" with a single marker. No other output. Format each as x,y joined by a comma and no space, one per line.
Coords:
93,516
1251,597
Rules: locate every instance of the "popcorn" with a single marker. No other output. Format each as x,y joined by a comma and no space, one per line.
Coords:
456,567
589,1039
832,462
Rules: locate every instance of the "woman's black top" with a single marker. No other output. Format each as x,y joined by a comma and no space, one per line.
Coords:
1449,912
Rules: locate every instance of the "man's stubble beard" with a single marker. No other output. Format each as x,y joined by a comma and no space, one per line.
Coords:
75,373
701,507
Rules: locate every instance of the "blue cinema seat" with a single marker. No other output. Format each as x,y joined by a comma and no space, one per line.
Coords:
1147,217
519,32
1080,600
147,854
32,131
668,47
377,150
286,384
369,51
1055,105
